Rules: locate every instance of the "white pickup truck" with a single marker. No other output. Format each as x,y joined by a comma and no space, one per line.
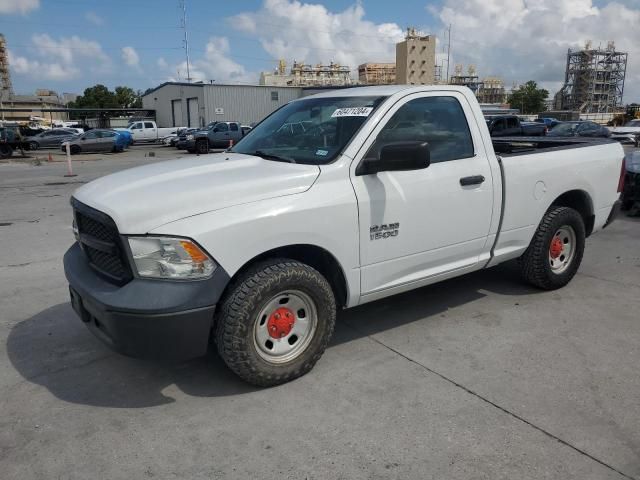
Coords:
148,131
388,189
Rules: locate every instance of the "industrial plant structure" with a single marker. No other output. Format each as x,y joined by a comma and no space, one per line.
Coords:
594,80
305,75
377,73
6,90
489,90
416,59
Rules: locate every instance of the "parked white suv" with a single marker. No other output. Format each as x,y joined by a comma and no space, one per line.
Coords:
387,189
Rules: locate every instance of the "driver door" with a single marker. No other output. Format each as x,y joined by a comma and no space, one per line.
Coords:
418,225
220,134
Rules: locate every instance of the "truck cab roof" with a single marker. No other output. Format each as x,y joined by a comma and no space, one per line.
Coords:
388,90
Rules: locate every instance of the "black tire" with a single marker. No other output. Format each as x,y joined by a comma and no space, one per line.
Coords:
33,146
238,314
74,149
5,151
202,147
535,263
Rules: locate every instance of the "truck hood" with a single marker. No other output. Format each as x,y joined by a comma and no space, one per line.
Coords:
144,198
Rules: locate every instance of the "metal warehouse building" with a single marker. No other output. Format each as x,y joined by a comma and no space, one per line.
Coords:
196,104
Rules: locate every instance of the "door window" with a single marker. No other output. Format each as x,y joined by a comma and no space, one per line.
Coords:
148,125
90,135
439,121
234,127
512,122
108,134
137,126
498,126
222,127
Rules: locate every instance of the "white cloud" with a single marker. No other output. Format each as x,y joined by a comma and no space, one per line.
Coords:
93,17
521,40
50,71
61,59
215,65
68,49
130,57
299,31
162,63
18,6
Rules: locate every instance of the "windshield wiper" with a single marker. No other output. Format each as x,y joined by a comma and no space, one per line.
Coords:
271,156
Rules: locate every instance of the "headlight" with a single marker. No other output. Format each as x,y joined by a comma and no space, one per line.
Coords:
162,257
189,137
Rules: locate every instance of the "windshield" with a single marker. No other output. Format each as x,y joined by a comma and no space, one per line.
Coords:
312,131
633,123
564,129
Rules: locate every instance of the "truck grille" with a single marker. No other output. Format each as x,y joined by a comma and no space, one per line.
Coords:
99,238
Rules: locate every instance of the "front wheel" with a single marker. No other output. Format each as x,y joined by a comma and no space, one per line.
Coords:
33,145
202,147
275,322
5,150
555,253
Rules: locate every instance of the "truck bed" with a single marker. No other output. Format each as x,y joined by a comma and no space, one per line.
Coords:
512,146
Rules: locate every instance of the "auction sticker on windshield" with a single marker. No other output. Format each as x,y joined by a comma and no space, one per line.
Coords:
352,112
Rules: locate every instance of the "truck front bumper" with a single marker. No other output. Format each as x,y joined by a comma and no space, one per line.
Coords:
145,318
187,145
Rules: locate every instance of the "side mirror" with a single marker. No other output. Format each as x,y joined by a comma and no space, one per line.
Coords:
397,156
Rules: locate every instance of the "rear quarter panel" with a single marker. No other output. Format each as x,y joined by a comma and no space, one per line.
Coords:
533,182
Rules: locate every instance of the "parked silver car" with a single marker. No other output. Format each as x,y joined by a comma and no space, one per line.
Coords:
97,140
50,138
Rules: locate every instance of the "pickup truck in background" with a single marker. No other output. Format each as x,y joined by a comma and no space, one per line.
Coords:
216,135
628,133
511,126
148,131
388,189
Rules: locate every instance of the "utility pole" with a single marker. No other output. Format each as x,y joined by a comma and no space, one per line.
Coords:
448,52
183,5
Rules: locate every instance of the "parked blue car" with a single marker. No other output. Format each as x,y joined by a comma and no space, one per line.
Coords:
126,134
549,122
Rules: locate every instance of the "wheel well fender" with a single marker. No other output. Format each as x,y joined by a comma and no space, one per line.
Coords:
314,256
581,202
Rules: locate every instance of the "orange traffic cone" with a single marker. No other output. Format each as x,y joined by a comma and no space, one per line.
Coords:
230,143
49,159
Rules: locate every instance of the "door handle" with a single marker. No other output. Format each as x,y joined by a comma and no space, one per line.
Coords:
472,180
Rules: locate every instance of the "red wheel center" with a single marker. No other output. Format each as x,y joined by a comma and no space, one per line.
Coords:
281,322
556,248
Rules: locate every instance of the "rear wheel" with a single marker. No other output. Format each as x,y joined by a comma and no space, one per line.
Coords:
74,150
33,146
556,250
275,322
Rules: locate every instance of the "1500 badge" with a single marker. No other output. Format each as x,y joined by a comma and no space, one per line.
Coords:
379,232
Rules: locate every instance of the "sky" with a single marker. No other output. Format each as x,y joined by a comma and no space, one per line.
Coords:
69,45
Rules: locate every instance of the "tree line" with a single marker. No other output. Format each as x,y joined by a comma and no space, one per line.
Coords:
100,96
